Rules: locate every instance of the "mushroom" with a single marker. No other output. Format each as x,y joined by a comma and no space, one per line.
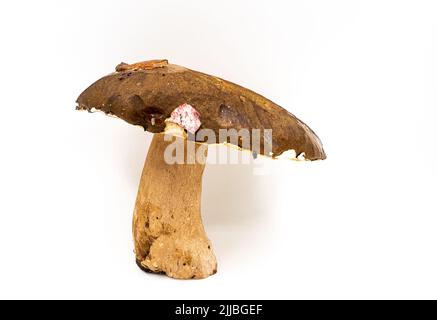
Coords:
170,100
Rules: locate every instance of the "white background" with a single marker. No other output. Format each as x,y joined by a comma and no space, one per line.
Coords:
362,74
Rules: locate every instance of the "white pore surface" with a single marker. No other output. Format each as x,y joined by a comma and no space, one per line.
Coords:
362,74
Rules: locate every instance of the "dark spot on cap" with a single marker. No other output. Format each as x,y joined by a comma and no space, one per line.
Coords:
153,113
151,117
230,117
124,75
112,101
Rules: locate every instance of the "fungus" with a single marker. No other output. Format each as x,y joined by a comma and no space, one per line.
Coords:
168,99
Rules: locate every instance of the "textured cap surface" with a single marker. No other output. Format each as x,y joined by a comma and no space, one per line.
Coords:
147,93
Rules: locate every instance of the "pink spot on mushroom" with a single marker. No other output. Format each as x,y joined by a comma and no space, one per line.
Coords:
187,117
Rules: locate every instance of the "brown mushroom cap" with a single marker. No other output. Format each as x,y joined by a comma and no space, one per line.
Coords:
145,94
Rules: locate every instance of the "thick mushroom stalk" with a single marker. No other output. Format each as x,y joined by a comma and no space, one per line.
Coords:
167,226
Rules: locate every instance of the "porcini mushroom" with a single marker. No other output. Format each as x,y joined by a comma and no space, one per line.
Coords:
164,98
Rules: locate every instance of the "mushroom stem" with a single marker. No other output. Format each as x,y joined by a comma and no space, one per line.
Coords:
167,226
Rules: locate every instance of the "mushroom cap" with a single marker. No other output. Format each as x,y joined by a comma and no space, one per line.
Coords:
147,93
